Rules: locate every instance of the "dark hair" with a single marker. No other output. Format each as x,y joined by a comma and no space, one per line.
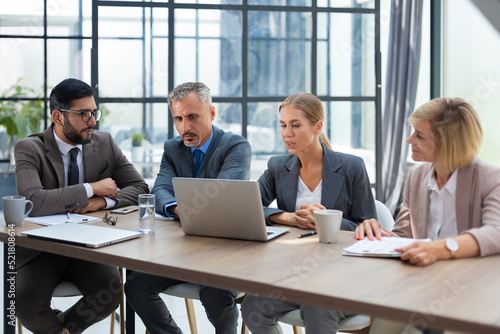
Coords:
68,90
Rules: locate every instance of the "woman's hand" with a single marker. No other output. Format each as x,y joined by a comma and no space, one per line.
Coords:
304,218
371,228
423,253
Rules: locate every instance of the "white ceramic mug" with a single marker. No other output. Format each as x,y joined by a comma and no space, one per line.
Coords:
328,224
14,209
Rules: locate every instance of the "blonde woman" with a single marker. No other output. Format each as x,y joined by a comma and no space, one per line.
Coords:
453,198
311,177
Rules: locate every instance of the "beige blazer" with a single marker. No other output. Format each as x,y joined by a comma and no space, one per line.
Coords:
478,204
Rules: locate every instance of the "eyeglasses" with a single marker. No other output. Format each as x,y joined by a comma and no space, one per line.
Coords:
110,220
86,114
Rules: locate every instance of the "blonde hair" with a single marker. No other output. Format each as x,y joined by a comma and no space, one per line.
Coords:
456,128
312,107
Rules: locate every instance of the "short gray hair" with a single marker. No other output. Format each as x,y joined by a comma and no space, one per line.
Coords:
181,91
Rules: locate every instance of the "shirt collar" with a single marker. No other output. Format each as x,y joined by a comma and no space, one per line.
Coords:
205,146
450,186
64,147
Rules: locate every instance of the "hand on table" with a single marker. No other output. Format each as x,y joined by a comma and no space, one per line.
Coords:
95,203
304,218
371,228
423,253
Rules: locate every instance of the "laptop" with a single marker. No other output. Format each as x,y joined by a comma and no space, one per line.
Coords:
222,208
82,234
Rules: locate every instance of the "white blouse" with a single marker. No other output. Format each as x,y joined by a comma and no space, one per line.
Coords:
442,221
306,196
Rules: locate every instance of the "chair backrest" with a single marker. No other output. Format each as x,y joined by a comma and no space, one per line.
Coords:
384,216
66,289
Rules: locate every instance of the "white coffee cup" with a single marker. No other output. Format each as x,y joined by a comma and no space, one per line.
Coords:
14,209
328,224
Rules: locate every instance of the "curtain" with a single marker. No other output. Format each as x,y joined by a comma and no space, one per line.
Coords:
400,90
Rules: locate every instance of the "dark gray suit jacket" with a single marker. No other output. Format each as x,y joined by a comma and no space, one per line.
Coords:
345,186
40,176
227,157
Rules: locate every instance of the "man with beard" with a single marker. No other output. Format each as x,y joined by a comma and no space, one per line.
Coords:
70,167
203,151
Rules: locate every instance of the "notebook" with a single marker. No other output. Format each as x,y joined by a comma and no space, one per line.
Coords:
82,234
222,208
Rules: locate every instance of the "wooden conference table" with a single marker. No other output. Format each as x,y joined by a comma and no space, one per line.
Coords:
460,295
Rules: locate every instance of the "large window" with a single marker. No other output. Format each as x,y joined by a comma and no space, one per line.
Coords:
251,53
470,63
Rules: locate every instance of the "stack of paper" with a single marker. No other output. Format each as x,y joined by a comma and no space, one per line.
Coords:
61,219
379,248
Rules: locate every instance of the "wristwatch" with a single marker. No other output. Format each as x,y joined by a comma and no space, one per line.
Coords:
452,246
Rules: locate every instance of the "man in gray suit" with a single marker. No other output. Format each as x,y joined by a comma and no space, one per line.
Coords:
70,167
203,151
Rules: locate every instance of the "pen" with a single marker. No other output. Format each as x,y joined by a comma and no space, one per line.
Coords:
307,234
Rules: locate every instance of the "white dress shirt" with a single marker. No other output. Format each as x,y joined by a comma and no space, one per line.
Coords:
306,196
442,208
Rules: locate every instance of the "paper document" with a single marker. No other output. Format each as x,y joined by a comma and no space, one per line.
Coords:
379,248
61,219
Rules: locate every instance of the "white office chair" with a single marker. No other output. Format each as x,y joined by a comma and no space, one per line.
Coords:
354,324
190,291
384,216
68,289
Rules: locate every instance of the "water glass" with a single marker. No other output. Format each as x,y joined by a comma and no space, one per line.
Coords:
147,213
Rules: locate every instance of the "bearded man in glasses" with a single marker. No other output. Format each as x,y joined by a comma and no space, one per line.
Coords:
70,167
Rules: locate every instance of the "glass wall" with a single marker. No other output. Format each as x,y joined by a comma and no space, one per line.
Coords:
470,64
251,54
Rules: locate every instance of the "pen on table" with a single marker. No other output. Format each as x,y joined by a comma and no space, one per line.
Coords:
307,234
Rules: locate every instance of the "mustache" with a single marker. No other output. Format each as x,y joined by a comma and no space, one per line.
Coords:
189,134
89,128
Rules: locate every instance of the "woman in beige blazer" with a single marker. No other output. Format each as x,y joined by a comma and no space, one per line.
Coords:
453,198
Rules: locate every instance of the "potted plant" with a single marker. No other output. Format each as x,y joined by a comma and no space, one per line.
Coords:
137,149
17,115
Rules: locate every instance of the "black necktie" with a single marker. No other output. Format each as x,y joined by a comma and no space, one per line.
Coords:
197,161
73,172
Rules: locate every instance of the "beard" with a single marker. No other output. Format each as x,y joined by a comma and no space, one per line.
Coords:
194,142
73,135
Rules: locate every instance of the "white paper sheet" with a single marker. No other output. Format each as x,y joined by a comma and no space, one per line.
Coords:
379,248
61,219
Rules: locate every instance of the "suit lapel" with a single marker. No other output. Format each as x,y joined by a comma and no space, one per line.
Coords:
288,181
421,216
186,158
464,201
90,161
54,155
331,190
